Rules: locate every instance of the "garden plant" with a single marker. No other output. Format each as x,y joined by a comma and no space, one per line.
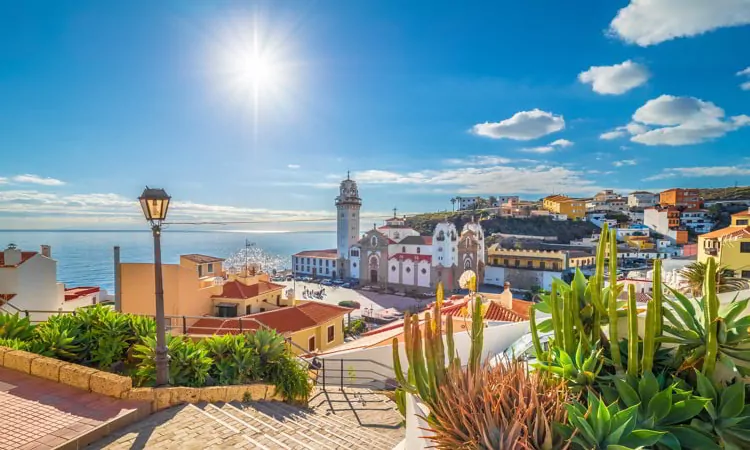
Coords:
99,337
670,373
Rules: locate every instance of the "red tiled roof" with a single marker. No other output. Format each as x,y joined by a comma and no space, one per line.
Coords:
201,259
284,320
742,214
25,256
5,298
411,256
495,311
416,240
330,253
728,232
640,297
235,289
78,292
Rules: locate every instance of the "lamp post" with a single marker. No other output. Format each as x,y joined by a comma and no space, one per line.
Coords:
155,203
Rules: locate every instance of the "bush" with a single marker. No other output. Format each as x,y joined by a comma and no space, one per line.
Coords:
349,304
189,364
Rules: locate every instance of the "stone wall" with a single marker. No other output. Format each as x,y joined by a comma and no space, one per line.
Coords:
119,386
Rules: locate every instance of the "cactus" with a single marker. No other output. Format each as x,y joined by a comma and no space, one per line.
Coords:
567,322
426,352
658,294
649,338
632,333
614,292
711,313
535,332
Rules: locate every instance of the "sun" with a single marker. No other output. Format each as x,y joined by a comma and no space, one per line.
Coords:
256,72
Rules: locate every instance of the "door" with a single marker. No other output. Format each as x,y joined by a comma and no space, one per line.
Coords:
373,276
311,344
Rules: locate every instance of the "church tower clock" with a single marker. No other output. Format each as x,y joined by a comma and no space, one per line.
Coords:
348,204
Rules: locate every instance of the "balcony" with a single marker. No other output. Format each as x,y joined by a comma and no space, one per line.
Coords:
711,251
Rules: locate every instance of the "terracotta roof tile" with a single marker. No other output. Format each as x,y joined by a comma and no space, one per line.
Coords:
201,259
235,289
284,320
640,297
78,292
495,311
742,214
728,232
411,256
25,256
329,253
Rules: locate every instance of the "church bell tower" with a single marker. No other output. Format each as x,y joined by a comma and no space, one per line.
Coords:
348,204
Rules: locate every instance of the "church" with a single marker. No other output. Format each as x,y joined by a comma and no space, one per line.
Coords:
394,256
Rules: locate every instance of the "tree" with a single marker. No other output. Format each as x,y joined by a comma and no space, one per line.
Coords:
695,272
453,203
492,200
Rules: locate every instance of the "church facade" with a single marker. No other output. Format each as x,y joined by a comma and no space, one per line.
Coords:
393,255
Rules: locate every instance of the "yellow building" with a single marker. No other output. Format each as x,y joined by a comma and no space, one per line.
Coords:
188,286
574,208
242,295
741,219
730,247
312,326
551,260
640,242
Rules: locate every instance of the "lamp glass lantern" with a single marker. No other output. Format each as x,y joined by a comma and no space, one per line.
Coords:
155,203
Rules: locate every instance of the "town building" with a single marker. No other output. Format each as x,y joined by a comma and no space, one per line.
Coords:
316,263
618,204
741,219
666,221
600,218
730,247
689,198
348,203
696,219
311,326
188,286
642,199
561,204
28,282
466,203
394,256
527,268
607,194
635,229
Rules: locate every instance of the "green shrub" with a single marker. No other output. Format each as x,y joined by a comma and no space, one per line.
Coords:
234,362
290,378
188,363
267,344
349,304
12,326
16,344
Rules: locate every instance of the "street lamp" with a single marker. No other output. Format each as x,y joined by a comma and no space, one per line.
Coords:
155,203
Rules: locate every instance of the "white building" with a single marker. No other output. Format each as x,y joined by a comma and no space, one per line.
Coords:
28,282
464,203
315,263
633,230
697,220
642,199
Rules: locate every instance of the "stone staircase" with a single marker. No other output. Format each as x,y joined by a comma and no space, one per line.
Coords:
267,425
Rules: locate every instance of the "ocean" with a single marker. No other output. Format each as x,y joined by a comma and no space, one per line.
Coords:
85,257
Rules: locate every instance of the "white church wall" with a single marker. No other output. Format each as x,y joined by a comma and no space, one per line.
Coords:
393,271
423,274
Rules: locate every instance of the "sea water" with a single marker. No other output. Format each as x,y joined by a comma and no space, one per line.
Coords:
85,257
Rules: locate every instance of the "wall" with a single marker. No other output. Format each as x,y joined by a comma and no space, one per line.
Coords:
423,274
37,285
520,278
301,337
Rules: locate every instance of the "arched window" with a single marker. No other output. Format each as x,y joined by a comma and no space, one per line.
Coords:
467,264
403,249
374,241
419,250
408,270
393,268
424,271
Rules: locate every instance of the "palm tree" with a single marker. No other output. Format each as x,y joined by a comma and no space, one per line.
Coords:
695,272
453,202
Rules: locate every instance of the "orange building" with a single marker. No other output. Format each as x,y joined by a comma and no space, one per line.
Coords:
741,219
680,197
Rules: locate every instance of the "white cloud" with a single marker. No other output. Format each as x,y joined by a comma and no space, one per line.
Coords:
683,121
523,126
649,22
293,166
551,147
561,143
616,79
625,162
478,160
36,179
535,179
3,180
632,128
746,85
697,172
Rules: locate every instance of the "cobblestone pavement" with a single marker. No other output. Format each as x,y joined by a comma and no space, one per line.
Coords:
267,425
40,414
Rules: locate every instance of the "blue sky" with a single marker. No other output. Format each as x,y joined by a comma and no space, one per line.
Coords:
421,100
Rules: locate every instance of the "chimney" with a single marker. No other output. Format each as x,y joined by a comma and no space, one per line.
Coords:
47,251
506,297
12,256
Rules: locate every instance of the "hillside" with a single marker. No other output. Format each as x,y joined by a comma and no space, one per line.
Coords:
727,193
536,226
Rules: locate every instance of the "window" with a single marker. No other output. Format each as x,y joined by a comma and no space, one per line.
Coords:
744,247
408,270
517,263
278,299
328,270
742,221
373,241
331,333
541,265
745,274
403,249
354,265
210,268
506,262
354,215
554,266
355,252
311,344
424,271
393,268
529,264
262,309
419,250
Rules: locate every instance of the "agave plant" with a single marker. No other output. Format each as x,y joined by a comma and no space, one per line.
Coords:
726,416
188,364
705,335
599,426
695,274
234,362
12,326
55,342
662,405
267,344
580,370
505,406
